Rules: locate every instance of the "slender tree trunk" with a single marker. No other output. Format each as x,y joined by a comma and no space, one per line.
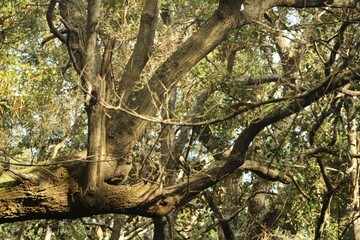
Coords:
119,221
159,229
96,91
321,222
354,167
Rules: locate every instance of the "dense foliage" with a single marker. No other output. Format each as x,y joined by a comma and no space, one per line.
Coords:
300,176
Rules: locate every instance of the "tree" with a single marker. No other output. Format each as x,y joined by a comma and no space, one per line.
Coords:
158,112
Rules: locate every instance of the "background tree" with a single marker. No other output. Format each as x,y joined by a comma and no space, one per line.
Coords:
179,119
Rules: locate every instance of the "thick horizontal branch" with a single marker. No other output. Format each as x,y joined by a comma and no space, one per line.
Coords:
57,195
298,3
260,80
313,151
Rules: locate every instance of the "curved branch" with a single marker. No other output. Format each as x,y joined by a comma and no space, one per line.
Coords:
49,16
313,151
335,49
265,172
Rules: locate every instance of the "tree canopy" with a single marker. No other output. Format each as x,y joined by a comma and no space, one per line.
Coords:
185,119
